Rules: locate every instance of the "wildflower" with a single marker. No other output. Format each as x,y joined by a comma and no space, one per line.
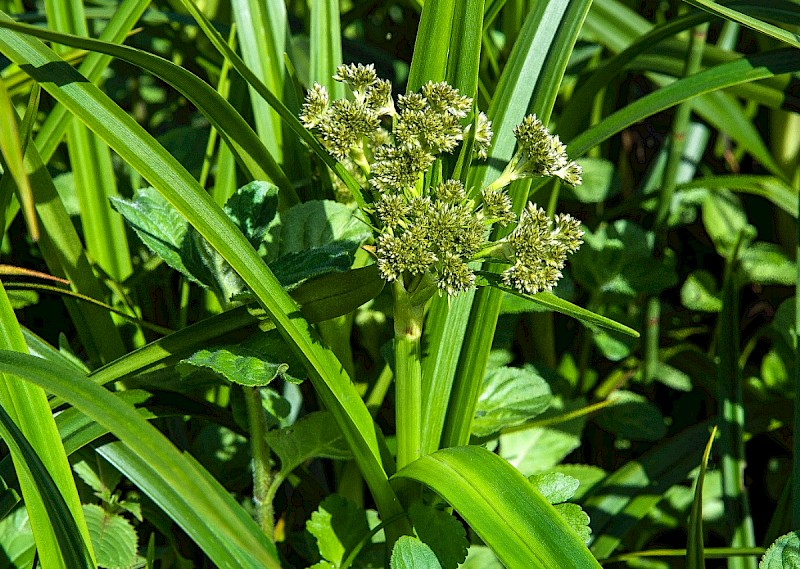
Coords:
539,153
539,248
429,234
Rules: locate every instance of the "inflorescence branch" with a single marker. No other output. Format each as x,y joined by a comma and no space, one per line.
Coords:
436,231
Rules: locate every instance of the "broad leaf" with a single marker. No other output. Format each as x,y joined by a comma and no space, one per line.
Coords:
314,238
784,553
510,396
600,182
252,209
541,448
700,292
411,553
443,533
238,365
632,416
576,518
619,260
113,538
724,218
766,264
315,435
556,487
338,525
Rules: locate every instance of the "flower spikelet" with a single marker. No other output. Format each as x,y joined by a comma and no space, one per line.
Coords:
542,154
540,248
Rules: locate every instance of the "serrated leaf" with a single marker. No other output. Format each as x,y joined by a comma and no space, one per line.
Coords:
443,533
587,476
556,487
784,553
338,525
576,518
411,553
481,557
159,225
618,259
19,299
633,417
510,396
252,208
700,292
16,536
766,264
600,181
315,435
113,538
541,448
167,234
88,475
314,238
238,365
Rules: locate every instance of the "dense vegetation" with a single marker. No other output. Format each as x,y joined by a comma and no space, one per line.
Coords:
437,284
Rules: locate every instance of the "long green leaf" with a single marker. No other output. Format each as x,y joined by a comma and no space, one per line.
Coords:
201,508
537,58
250,152
745,69
288,117
645,480
749,21
154,163
695,555
71,550
326,46
509,515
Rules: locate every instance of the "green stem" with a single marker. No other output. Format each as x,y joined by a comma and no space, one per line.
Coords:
732,416
262,472
408,375
796,444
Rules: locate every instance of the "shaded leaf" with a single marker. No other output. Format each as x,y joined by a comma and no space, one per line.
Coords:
252,209
723,218
633,417
541,448
113,538
338,525
315,435
600,181
443,533
510,396
618,259
411,553
314,238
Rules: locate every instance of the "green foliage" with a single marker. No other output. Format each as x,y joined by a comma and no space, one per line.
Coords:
510,396
338,526
443,533
113,537
221,383
411,553
784,553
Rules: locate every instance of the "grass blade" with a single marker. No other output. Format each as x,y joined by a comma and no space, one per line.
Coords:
499,503
202,508
154,163
695,555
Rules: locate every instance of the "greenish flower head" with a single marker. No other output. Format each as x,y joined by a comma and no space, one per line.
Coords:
432,232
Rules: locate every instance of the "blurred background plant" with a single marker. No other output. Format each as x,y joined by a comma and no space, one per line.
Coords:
149,247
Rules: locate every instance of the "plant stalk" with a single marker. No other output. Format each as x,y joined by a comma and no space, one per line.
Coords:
262,470
408,317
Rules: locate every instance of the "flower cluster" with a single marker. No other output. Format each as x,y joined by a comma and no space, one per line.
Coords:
437,230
